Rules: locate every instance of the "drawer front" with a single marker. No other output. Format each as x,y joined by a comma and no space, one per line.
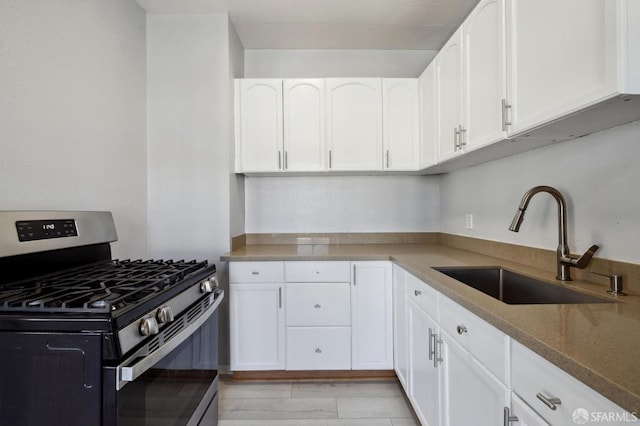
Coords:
326,304
313,272
532,375
485,342
318,348
256,272
423,295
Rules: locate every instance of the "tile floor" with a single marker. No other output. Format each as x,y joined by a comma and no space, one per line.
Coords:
331,403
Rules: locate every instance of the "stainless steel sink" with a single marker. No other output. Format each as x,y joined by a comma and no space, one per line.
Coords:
515,289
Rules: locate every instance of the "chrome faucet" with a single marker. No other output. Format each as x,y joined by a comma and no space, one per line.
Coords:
566,260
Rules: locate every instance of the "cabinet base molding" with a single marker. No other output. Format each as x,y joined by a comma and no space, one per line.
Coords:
315,375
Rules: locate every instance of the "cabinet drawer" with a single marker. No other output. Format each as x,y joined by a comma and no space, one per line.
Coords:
311,272
256,272
424,295
532,375
326,304
485,342
318,348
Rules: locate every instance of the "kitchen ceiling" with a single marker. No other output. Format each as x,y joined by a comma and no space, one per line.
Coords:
332,24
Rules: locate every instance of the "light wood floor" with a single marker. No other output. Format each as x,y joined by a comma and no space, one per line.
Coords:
331,403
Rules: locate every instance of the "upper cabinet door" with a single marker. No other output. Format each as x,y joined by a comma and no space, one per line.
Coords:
304,125
429,113
449,71
261,125
484,65
561,57
354,124
401,117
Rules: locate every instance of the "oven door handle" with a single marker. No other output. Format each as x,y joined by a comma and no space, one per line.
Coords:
128,372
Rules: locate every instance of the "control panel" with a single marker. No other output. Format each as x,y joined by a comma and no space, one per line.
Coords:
33,230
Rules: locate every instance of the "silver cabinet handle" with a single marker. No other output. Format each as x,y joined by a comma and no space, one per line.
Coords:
456,134
505,107
549,402
279,160
417,292
433,348
431,344
354,274
461,329
437,342
508,418
329,158
279,297
463,137
387,159
286,160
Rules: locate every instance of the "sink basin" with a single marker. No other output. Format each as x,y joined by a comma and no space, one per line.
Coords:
515,289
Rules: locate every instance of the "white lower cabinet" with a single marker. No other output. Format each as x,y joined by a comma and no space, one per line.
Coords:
371,316
448,385
318,348
257,333
472,395
522,415
424,374
400,325
556,396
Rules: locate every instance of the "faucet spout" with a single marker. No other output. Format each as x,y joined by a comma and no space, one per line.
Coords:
565,259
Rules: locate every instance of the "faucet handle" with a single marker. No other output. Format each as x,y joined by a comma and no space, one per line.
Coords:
580,262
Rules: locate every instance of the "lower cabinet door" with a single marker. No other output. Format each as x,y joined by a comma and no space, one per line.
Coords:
318,348
424,379
524,414
472,395
257,330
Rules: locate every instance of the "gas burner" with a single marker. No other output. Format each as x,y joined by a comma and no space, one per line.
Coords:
103,287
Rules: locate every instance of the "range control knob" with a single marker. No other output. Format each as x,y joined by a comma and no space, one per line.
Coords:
164,314
148,326
208,285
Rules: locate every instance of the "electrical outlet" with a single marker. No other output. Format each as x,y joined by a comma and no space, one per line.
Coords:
469,221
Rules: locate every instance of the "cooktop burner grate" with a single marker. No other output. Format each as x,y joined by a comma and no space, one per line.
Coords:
104,287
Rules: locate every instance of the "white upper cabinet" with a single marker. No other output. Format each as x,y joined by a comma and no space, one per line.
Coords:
260,125
401,118
304,125
563,57
484,74
471,83
449,77
354,124
429,117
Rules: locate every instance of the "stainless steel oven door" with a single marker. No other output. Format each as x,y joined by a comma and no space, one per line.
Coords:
172,382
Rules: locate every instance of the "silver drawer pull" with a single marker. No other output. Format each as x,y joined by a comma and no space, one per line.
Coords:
417,292
508,418
317,306
549,402
461,329
318,350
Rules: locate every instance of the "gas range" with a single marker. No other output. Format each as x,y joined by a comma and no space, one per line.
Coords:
61,293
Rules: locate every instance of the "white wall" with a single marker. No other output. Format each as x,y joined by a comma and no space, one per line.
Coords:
189,126
597,174
236,190
342,204
297,63
72,111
